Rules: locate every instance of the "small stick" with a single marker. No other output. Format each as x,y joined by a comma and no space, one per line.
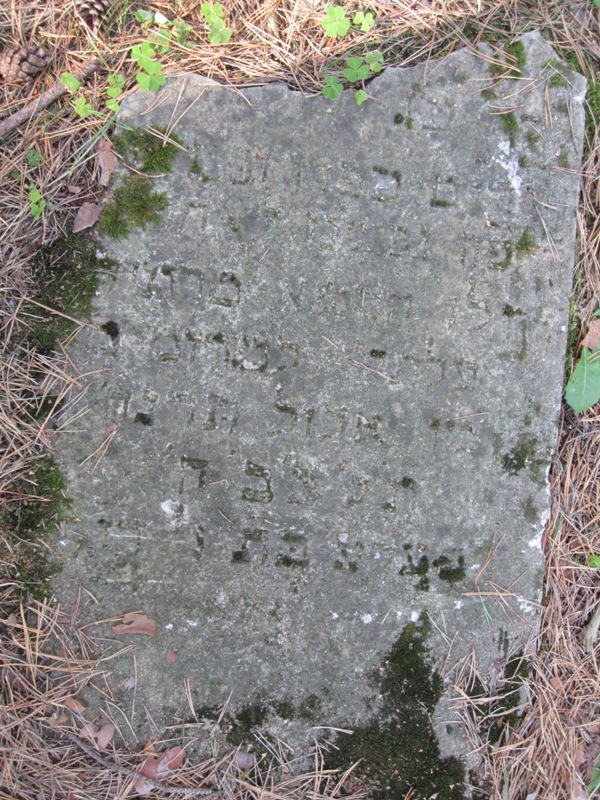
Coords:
591,630
48,97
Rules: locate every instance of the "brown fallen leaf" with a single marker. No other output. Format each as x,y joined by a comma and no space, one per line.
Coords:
74,705
102,736
134,622
87,216
158,767
260,154
107,161
171,657
593,335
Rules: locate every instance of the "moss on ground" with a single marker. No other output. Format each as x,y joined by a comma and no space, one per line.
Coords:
66,274
398,753
27,524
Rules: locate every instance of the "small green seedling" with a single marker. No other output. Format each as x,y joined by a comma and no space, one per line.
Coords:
148,78
375,61
360,96
33,158
214,14
336,23
116,84
82,107
70,81
333,87
594,561
365,21
144,17
583,387
356,70
37,204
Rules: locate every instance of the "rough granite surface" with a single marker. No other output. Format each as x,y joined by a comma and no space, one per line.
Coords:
333,394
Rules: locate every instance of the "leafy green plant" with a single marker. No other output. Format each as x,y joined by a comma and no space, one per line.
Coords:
116,83
375,61
33,157
333,87
37,204
148,77
583,386
594,561
70,81
83,108
365,21
336,23
214,14
357,70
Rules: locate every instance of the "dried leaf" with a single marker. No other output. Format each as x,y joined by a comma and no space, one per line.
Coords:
74,705
107,161
102,736
243,761
158,767
170,761
593,335
87,216
105,735
72,189
260,154
134,622
556,683
171,657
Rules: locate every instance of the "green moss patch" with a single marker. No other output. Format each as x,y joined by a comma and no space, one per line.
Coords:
398,752
514,59
135,204
526,243
147,152
510,126
66,274
523,456
28,523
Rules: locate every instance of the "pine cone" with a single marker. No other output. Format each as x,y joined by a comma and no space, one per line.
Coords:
22,64
93,11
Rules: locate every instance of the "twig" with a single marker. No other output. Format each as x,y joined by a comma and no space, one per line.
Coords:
48,97
591,631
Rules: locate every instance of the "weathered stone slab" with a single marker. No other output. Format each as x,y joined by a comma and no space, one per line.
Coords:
334,370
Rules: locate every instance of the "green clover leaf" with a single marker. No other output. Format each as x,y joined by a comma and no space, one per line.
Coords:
219,34
364,21
33,157
82,107
335,23
333,87
70,81
356,71
360,96
150,83
375,61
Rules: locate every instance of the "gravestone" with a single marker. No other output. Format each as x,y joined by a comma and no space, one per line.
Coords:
324,387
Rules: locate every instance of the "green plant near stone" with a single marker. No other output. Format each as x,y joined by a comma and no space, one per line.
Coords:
336,23
357,70
37,204
583,387
214,14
